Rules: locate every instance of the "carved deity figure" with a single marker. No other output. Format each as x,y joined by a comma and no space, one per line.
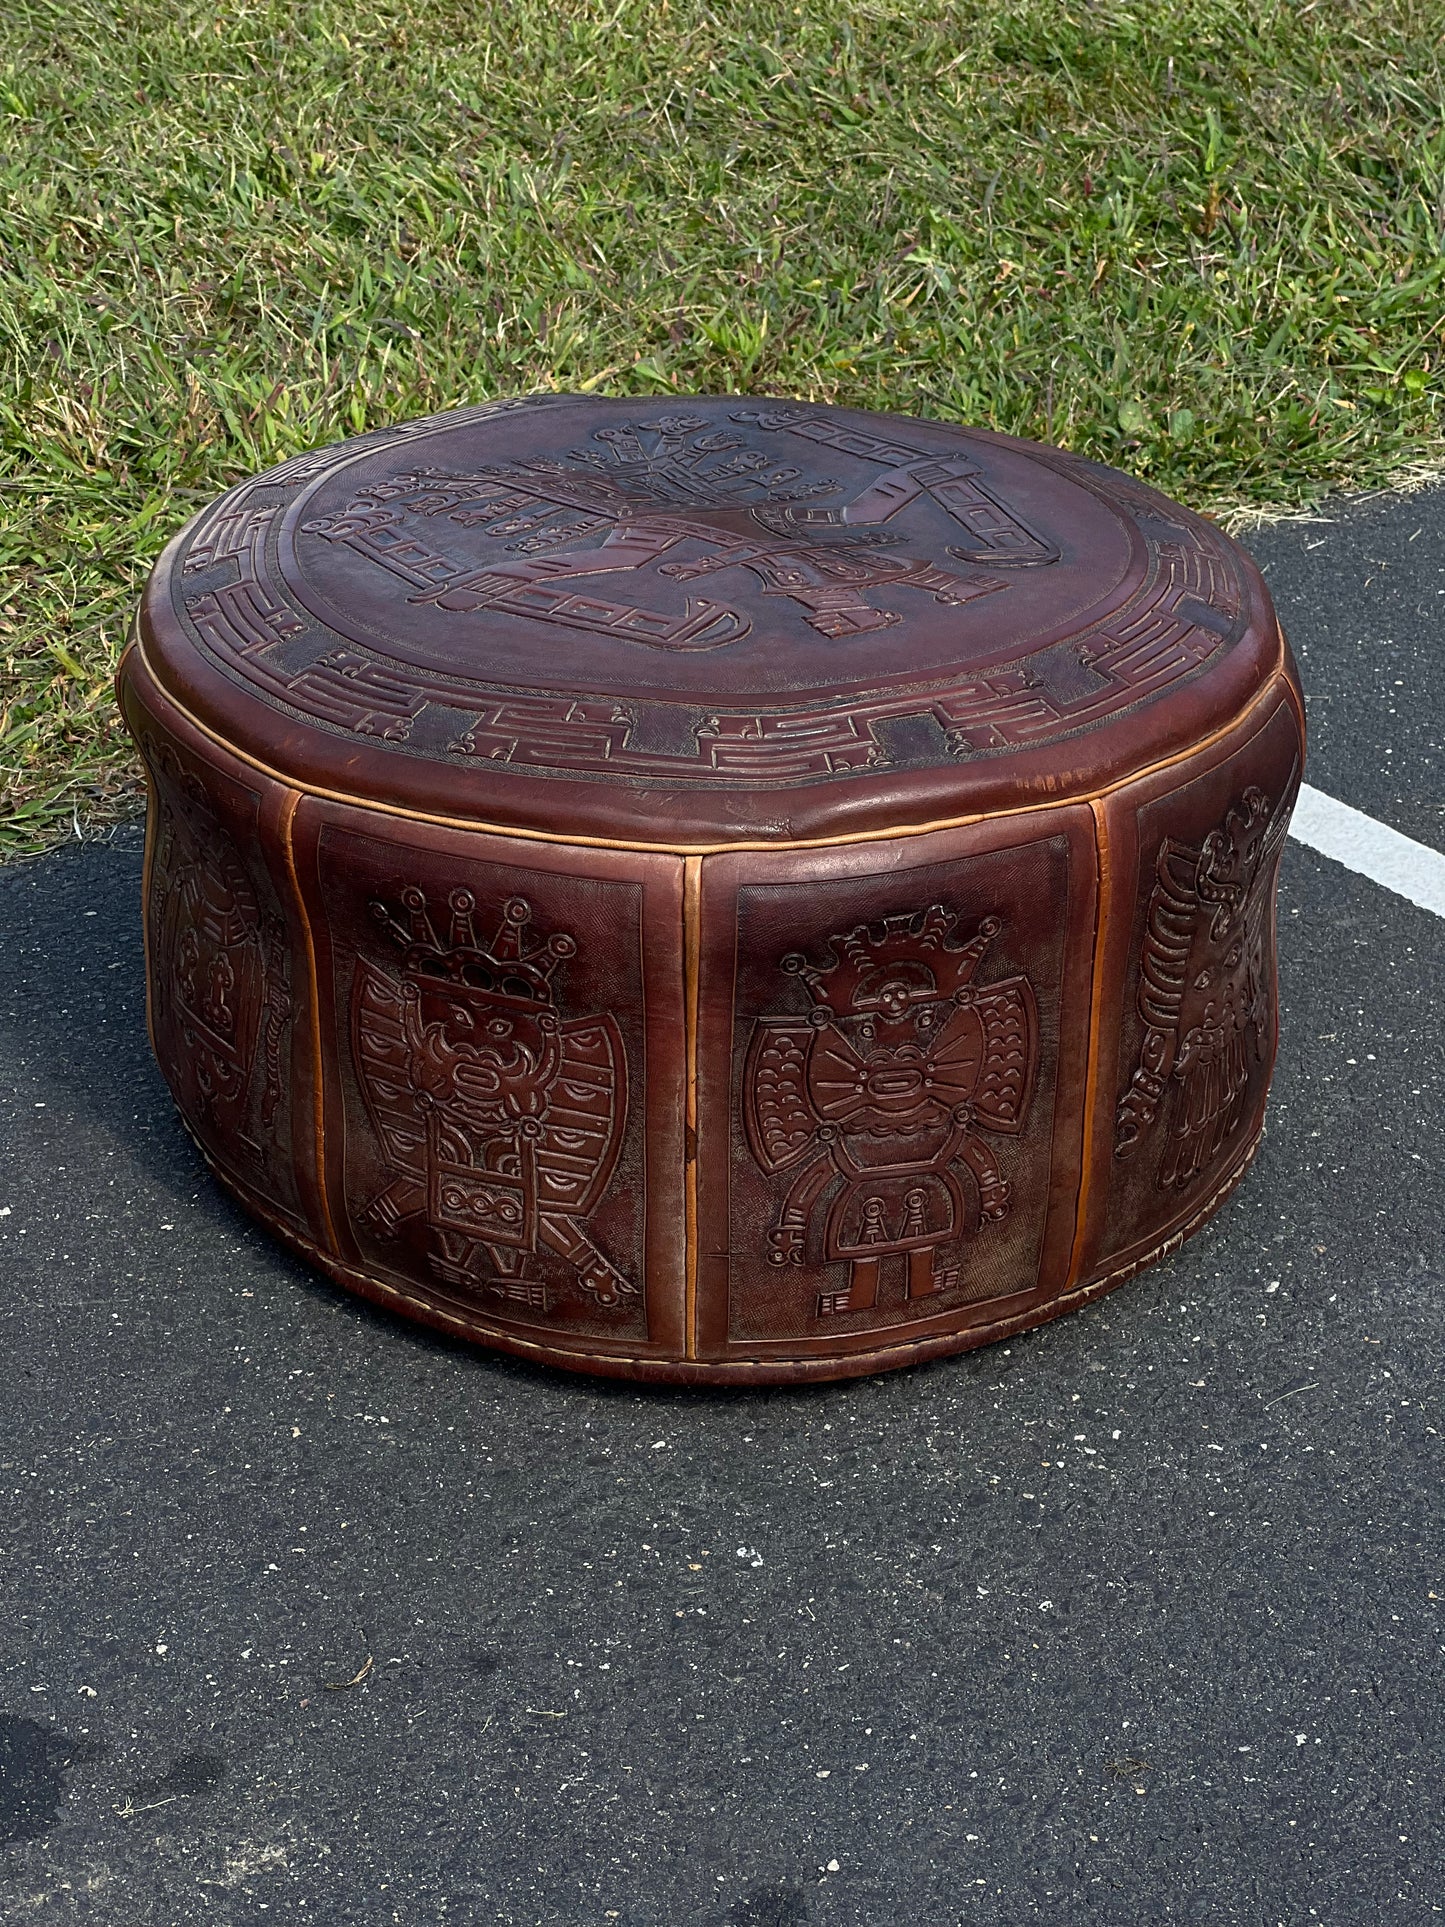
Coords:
877,1102
500,1118
1204,988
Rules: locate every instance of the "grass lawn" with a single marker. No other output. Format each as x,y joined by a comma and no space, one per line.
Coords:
1201,239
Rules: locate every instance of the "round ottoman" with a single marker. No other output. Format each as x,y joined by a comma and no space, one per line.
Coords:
727,891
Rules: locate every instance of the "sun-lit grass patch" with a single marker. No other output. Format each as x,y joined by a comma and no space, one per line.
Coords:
1201,239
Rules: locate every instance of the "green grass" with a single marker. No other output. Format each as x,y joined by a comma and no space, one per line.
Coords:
1201,239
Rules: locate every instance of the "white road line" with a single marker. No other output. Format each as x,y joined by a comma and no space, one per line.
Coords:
1412,870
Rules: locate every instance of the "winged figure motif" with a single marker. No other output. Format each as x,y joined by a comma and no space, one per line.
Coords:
500,1118
877,1102
1206,980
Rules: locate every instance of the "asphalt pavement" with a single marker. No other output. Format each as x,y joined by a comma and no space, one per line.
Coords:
308,1615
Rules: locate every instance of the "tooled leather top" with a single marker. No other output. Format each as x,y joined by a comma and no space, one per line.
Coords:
704,621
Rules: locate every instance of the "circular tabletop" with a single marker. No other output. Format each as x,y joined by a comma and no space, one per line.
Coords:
702,623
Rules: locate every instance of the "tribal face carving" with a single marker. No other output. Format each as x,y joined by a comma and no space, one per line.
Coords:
501,1118
880,1100
1205,987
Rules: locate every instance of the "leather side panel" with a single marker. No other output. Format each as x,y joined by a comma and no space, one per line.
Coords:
503,1050
892,1063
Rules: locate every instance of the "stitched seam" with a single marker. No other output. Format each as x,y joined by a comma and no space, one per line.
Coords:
691,943
478,1330
1103,883
318,1100
740,845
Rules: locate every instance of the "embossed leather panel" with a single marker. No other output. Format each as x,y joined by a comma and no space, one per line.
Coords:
729,891
777,616
1190,1043
502,1047
895,1065
228,990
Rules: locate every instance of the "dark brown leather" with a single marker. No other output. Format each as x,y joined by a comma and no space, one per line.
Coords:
737,891
746,620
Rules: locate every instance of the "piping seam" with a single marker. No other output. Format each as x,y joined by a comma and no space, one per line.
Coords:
738,845
148,861
691,948
477,1331
318,1095
1096,1018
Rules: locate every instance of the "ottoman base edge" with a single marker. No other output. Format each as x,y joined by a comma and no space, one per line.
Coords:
649,1368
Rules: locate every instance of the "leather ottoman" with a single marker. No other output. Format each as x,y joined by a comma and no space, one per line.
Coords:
726,891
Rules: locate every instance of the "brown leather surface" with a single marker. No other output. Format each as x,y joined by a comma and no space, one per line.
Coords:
1186,1051
741,620
228,983
923,991
482,990
890,1070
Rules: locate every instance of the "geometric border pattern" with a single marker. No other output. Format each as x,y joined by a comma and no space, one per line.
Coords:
1188,610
